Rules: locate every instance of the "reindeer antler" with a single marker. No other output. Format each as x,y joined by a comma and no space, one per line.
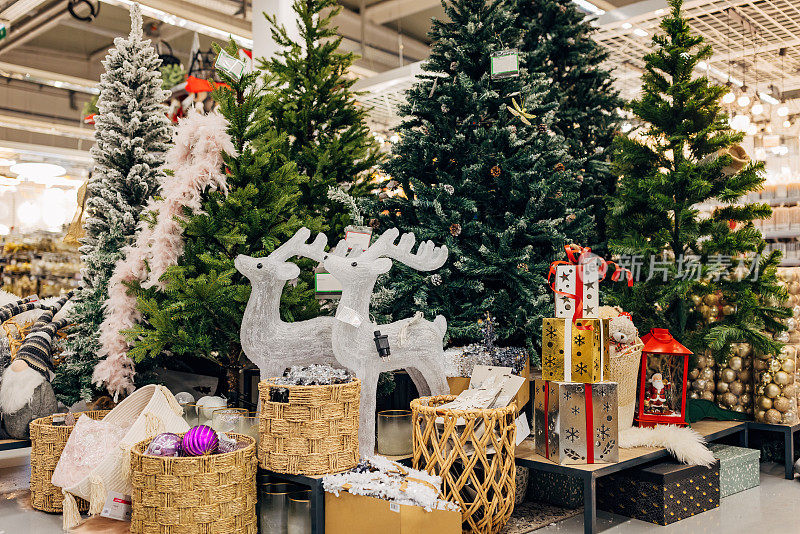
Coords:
427,258
297,246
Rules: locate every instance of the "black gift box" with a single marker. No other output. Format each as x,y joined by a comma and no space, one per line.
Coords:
661,493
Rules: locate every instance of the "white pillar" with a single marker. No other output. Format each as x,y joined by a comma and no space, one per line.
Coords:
263,45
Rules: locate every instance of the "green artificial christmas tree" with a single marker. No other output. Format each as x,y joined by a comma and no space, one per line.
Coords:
469,173
199,313
557,39
316,108
132,134
671,165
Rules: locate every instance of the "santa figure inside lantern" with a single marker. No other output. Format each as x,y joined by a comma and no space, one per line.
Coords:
662,380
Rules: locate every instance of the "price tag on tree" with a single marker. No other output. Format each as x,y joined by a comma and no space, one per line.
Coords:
505,64
3,31
230,65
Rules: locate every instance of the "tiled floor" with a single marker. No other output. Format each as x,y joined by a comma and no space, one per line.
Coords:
772,508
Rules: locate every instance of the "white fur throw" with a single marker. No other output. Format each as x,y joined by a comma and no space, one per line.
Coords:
686,445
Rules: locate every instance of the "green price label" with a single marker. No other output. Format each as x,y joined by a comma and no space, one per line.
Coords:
505,64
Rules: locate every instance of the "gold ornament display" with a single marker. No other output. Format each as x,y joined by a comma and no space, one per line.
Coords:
734,380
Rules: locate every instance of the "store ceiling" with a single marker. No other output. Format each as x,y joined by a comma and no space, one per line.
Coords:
757,41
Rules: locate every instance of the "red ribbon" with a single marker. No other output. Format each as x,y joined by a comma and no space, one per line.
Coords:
587,392
574,255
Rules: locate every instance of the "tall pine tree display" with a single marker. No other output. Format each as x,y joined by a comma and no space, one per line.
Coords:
500,193
132,134
558,41
668,167
199,313
316,107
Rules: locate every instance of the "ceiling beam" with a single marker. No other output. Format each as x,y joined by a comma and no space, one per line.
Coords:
20,8
65,81
380,37
37,25
47,127
653,9
390,10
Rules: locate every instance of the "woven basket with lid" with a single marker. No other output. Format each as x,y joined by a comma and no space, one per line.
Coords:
214,494
314,433
47,443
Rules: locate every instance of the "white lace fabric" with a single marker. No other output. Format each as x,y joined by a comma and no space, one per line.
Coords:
88,444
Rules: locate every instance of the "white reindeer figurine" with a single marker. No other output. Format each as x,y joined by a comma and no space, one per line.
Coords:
270,343
415,344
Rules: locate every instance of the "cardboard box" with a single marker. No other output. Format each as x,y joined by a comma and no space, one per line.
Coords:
458,384
584,345
576,423
357,514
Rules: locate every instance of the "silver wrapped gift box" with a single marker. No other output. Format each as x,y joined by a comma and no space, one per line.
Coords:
576,423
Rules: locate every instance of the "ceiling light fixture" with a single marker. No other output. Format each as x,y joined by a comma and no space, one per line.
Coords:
769,99
627,25
744,101
38,171
589,7
729,98
640,32
787,124
783,111
758,108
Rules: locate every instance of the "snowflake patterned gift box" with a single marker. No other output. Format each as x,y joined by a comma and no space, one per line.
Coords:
738,468
575,351
576,423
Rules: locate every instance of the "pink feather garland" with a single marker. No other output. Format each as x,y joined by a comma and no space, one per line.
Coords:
196,162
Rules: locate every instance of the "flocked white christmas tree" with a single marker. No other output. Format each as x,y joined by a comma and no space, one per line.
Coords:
132,134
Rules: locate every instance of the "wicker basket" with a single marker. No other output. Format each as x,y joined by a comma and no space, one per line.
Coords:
214,494
625,372
47,442
473,452
314,433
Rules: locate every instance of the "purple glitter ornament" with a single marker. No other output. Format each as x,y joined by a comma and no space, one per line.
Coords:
166,444
200,440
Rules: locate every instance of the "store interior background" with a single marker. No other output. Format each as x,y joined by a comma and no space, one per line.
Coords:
50,61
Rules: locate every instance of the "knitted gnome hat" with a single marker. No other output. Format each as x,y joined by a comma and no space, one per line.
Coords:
37,347
21,306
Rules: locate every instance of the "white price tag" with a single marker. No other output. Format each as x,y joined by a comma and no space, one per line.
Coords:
230,65
394,507
117,506
349,316
358,239
504,64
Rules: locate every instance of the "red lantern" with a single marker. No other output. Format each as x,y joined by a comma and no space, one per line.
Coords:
662,380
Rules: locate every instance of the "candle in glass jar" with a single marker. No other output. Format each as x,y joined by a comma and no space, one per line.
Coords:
394,433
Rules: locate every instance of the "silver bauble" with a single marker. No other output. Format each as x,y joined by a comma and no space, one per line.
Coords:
735,363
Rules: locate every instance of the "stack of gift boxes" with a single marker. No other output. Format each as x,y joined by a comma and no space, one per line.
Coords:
575,404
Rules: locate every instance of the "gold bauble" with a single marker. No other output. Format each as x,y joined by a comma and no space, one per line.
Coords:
701,362
699,384
707,373
722,387
774,365
759,415
743,350
790,323
794,287
729,399
736,363
789,391
791,301
782,337
781,378
745,399
694,395
712,299
714,311
704,310
765,403
737,388
710,361
694,373
745,375
796,312
707,395
788,366
728,375
772,390
728,309
787,352
766,378
697,300
738,408
710,385
782,404
759,365
773,417
794,337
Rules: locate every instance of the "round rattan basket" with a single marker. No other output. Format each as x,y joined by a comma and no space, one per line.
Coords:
214,494
473,452
47,443
314,433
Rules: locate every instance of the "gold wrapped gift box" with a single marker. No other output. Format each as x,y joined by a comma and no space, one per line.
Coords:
589,349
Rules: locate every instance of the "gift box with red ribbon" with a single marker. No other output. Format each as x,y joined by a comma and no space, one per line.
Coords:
576,423
575,344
